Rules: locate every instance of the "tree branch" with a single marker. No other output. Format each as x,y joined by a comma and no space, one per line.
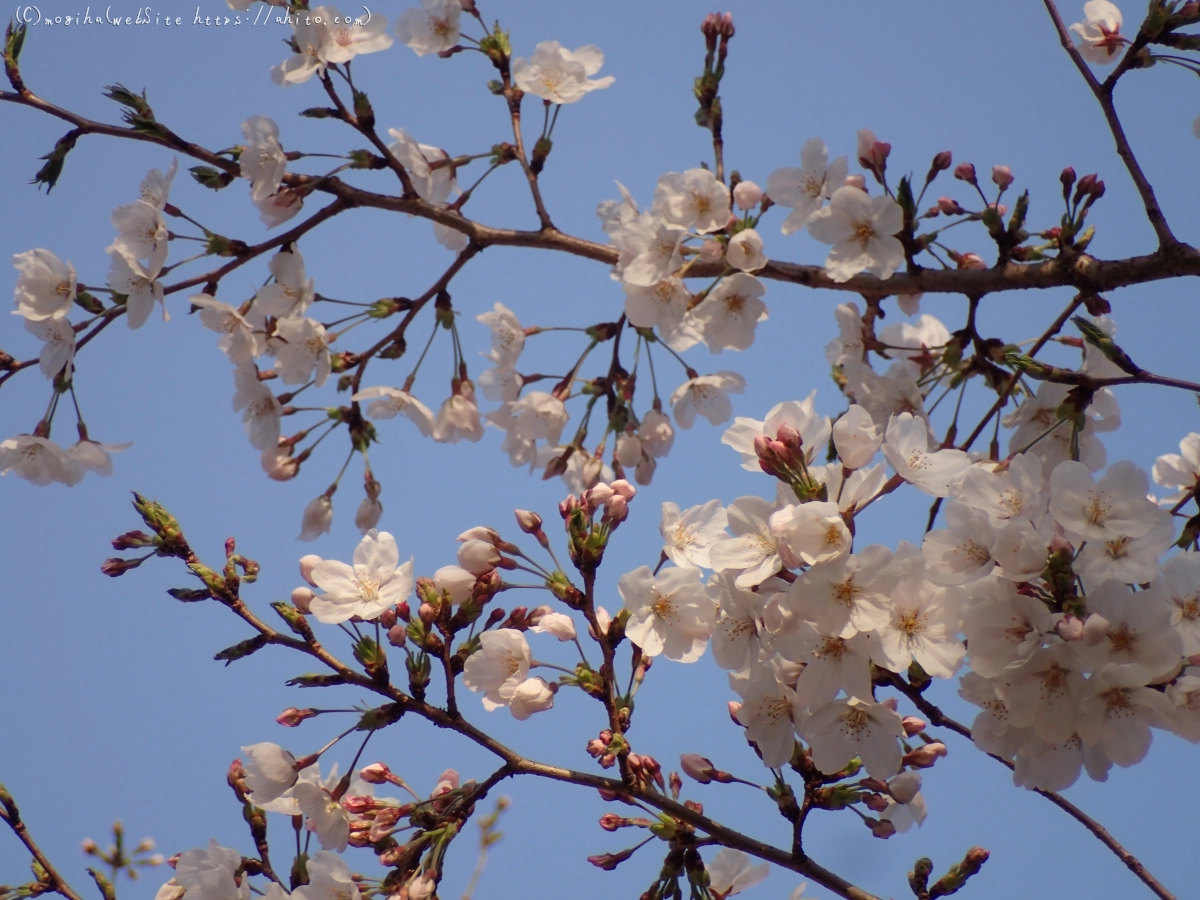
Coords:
11,816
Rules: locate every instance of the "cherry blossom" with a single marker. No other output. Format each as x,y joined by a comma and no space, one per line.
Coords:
326,817
832,663
648,250
262,159
1133,560
36,459
282,205
301,349
906,340
1040,430
922,628
692,199
770,713
855,437
45,285
1130,628
844,729
1118,711
732,872
849,594
458,417
291,294
531,696
1114,507
861,229
58,345
745,250
140,285
738,623
508,337
708,396
260,409
753,550
803,190
728,315
209,874
1045,693
848,346
962,551
799,415
1098,38
498,667
1003,627
141,234
661,305
317,519
432,28
375,581
906,445
388,402
747,195
812,532
616,213
689,536
310,38
328,877
670,614
270,772
91,456
350,37
1179,470
559,75
1181,586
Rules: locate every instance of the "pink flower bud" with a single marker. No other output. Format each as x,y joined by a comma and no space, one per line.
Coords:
881,828
1002,176
616,510
965,172
926,756
426,614
623,488
711,251
697,767
734,707
971,261
397,635
855,181
747,195
358,805
950,207
597,496
611,821
528,522
307,563
912,725
301,598
875,802
291,717
1069,628
941,162
376,773
1000,209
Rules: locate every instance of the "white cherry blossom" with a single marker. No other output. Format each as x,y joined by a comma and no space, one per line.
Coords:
291,293
832,663
732,872
531,696
848,346
45,285
280,206
1003,628
1181,587
648,250
317,519
1133,560
375,581
270,772
328,879
862,231
36,459
923,628
708,396
661,305
849,594
753,550
139,284
694,199
814,430
906,340
1044,694
805,189
735,637
387,402
311,38
351,36
58,344
1114,507
431,28
688,536
812,532
844,729
508,337
301,349
856,438
770,713
730,312
1124,627
559,75
141,234
745,250
208,874
670,614
962,551
458,417
906,445
1179,470
262,160
1098,37
326,817
1118,711
498,667
260,410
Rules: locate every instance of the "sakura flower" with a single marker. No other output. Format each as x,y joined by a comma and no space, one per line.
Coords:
848,347
1055,765
831,663
770,713
688,536
1004,494
923,627
962,551
1118,711
844,729
894,392
1179,470
301,349
745,251
656,434
498,667
508,337
1133,560
856,438
291,293
141,234
1021,548
350,37
729,314
45,285
388,402
904,813
803,190
1040,430
1181,586
753,551
708,396
861,229
616,213
36,459
1184,695
368,514
731,872
326,817
454,582
692,199
260,409
328,878
849,594
1098,37
559,75
433,185
262,160
311,39
531,696
906,445
1005,629
208,874
648,250
317,520
139,284
661,305
747,195
432,28
1045,693
58,344
538,416
991,730
458,417
270,771
738,623
1130,628
557,624
812,532
670,614
799,415
1113,508
374,582
91,456
156,186
280,206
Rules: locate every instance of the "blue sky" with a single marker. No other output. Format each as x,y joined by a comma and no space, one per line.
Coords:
111,705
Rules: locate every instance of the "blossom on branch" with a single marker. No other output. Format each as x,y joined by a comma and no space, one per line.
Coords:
559,75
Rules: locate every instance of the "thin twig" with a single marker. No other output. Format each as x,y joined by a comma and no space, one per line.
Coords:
11,816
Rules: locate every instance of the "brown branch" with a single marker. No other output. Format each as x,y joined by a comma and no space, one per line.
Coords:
11,816
937,717
1103,95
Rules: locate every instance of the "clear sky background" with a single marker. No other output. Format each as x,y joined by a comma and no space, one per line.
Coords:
110,703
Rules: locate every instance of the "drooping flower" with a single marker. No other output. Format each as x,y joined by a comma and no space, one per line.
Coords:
58,344
458,417
262,160
328,879
1098,37
560,75
745,250
388,402
862,231
36,459
1179,470
374,582
208,874
270,771
317,519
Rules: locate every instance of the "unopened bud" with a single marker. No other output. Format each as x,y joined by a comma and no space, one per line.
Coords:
376,773
926,756
302,598
875,802
426,614
941,162
912,725
965,172
734,708
1002,176
747,195
1069,628
291,717
528,522
697,767
397,635
855,181
306,567
880,828
950,207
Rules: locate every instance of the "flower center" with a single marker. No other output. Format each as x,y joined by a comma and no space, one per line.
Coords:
863,232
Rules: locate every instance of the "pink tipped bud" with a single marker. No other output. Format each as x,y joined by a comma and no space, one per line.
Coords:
397,635
623,488
616,510
1059,544
1002,176
302,598
727,29
855,181
528,522
358,805
307,563
875,802
115,566
734,708
291,717
941,162
881,828
376,773
697,767
611,821
924,757
609,861
747,195
965,172
912,725
597,496
950,207
426,613
1069,628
